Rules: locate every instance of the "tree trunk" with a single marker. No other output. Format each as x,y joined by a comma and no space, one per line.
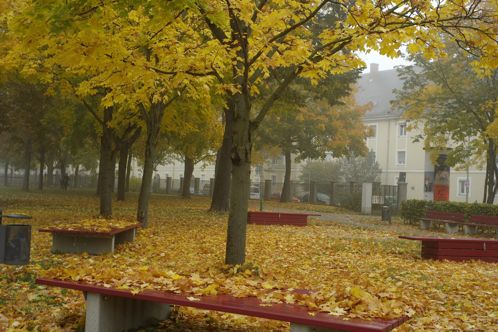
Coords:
76,175
220,200
113,174
27,165
101,164
187,179
128,171
42,167
123,162
286,189
6,173
62,167
239,194
153,121
50,172
106,167
490,172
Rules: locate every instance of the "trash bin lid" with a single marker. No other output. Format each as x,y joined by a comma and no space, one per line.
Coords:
16,216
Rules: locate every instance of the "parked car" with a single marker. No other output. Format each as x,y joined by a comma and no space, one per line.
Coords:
276,196
320,198
254,193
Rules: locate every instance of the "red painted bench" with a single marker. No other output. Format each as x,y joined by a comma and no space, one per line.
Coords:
278,218
109,309
481,221
457,249
92,242
451,220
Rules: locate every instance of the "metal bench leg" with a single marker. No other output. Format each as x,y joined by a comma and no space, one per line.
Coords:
469,229
62,243
425,224
305,328
113,314
451,228
126,236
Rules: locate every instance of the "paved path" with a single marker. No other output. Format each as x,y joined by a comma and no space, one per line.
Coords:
355,220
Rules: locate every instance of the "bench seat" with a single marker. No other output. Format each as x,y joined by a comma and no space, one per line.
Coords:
92,242
101,313
483,222
457,249
278,218
451,220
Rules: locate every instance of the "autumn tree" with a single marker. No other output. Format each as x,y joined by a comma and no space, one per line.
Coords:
454,107
119,57
307,124
194,134
263,36
353,168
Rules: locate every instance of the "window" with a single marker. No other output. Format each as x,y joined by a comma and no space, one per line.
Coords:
401,158
372,131
273,179
463,186
402,129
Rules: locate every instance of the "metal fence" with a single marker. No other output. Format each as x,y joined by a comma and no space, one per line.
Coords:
347,195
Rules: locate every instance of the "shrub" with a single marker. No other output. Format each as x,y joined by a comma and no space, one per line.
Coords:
412,210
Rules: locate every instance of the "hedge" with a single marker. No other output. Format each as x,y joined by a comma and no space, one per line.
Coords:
412,210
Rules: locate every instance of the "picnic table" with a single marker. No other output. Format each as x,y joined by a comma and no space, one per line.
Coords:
109,309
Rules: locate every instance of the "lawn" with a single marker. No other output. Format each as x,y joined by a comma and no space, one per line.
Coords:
354,271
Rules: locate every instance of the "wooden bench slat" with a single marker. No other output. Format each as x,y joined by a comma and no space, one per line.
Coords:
278,218
448,216
463,259
458,245
484,220
249,306
460,252
439,239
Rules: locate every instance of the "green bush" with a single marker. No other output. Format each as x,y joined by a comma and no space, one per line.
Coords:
412,210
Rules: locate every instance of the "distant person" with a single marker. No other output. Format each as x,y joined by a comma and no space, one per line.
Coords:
65,182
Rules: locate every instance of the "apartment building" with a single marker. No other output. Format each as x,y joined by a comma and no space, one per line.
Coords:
400,152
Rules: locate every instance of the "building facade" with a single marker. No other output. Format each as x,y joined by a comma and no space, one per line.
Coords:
400,152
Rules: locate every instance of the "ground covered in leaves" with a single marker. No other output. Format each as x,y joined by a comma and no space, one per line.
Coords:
353,271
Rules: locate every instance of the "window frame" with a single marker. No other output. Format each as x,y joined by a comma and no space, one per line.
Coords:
402,125
463,179
397,158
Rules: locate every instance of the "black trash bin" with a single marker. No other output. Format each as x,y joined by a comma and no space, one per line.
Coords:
386,213
15,241
15,244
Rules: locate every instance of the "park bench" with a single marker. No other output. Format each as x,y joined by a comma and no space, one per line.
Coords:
110,310
457,249
278,218
93,242
481,221
451,220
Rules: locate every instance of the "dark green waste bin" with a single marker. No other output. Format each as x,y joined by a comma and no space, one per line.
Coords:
15,241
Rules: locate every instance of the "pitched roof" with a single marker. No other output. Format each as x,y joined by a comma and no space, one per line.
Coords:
377,87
